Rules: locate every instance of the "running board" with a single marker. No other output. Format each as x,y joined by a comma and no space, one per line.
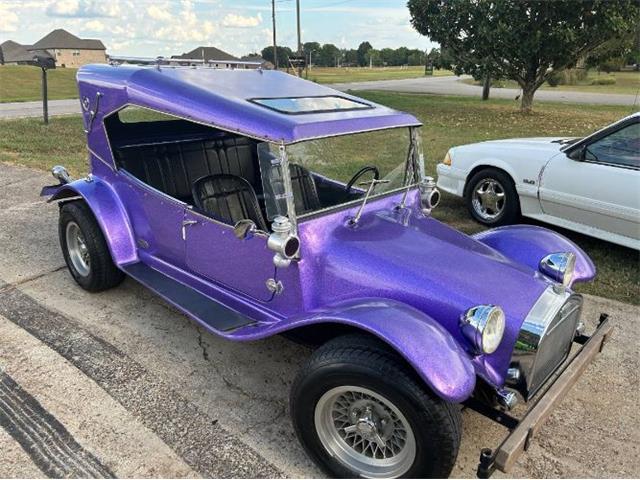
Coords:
188,300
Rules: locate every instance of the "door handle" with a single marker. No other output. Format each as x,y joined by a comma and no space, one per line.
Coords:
185,224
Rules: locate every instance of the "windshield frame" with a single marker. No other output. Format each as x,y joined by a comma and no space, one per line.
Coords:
414,159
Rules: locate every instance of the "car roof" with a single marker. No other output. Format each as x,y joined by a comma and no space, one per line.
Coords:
224,98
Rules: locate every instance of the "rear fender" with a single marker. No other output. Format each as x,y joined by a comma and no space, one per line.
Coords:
437,358
528,244
108,211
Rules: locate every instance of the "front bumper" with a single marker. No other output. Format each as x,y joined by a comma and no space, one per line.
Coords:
451,180
524,429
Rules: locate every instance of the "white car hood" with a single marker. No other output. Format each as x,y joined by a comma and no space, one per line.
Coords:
551,145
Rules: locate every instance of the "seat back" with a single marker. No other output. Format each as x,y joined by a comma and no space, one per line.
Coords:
173,167
228,198
305,193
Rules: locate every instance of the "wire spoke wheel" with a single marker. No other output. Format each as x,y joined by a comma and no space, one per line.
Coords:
489,199
365,431
77,249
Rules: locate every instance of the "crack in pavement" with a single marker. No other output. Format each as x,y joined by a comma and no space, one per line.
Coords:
204,346
7,286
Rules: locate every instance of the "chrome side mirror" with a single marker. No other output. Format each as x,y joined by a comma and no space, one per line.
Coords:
61,174
244,229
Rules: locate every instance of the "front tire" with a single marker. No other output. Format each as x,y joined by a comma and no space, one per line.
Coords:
85,249
492,199
360,412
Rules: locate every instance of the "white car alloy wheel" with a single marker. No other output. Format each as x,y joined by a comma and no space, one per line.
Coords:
488,199
365,431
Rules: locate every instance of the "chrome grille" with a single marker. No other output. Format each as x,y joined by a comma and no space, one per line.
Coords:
556,342
545,338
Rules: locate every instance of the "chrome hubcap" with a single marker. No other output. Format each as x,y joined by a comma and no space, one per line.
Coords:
365,432
77,249
488,199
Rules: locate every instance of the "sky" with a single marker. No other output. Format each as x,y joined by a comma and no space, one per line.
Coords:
162,28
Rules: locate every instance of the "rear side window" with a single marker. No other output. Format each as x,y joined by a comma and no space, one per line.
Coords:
302,105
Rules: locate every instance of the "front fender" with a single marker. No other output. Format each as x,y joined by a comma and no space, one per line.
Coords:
437,358
528,244
108,211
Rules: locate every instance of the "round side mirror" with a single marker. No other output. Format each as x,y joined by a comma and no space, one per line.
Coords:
244,229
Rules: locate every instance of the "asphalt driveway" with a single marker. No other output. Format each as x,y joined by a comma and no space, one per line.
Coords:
121,384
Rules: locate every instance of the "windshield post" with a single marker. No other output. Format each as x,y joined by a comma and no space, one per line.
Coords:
288,188
414,166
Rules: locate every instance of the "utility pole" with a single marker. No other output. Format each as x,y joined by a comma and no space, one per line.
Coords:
275,48
299,39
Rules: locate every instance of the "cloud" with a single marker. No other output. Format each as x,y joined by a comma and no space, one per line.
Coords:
83,8
185,26
94,26
8,20
159,12
238,21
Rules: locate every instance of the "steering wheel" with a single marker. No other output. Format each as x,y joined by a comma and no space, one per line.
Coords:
361,172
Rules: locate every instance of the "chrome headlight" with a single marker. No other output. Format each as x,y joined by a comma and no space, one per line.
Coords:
483,326
559,267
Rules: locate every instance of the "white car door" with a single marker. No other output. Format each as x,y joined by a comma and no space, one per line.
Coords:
600,189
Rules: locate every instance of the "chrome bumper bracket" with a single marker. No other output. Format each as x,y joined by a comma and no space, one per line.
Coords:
524,430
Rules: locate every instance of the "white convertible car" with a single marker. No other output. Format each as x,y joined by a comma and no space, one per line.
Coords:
590,185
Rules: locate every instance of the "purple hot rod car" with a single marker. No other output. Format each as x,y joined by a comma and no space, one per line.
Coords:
223,191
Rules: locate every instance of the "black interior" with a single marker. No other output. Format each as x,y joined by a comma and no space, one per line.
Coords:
173,155
228,197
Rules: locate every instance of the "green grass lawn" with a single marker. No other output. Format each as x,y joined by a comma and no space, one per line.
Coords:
358,74
448,121
22,83
626,83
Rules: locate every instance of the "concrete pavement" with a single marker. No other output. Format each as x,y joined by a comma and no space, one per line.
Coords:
451,85
34,109
121,383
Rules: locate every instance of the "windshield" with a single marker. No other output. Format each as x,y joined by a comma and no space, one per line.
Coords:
321,170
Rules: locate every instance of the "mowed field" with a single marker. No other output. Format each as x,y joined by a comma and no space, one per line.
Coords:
23,83
448,121
359,74
625,83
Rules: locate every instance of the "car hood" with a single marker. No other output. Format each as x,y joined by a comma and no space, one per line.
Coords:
545,145
420,261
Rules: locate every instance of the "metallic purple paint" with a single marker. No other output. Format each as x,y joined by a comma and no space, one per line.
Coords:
398,274
221,98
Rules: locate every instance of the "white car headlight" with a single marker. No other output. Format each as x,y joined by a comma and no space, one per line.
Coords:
559,267
483,326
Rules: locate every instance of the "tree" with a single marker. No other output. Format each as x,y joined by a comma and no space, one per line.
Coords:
329,55
524,40
283,55
363,49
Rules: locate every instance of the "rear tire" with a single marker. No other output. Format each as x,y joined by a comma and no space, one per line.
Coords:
85,249
357,383
492,199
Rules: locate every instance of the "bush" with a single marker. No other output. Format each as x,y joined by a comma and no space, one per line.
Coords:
603,81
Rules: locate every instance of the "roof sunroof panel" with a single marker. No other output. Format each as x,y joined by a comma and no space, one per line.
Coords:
302,105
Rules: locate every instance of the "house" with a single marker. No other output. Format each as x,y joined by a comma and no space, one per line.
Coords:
69,50
264,64
215,57
14,53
